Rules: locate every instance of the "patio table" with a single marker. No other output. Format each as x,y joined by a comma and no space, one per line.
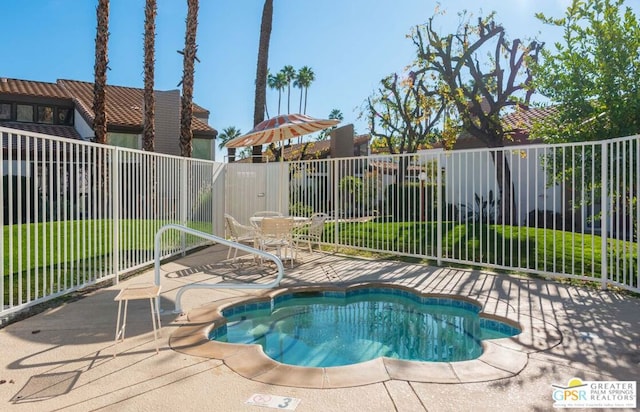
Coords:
297,220
135,292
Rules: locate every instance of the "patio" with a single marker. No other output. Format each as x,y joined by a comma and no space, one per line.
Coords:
56,360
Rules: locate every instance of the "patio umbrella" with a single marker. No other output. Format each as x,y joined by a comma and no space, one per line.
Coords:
283,127
278,129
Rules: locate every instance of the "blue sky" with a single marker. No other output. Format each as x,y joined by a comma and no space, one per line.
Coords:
349,44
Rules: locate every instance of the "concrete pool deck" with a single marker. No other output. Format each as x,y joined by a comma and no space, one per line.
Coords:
62,359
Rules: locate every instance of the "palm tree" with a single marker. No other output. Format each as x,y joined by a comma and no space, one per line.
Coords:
303,81
227,134
149,129
297,82
278,81
290,74
261,72
188,72
100,72
335,114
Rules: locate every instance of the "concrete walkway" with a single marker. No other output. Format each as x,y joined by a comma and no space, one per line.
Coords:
62,359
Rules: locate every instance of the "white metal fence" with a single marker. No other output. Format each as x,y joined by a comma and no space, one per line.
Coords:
76,213
567,210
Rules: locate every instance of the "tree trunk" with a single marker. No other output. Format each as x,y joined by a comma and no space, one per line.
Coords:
149,128
261,73
100,73
508,212
188,72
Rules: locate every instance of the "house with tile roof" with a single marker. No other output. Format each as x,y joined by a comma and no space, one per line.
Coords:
64,109
320,149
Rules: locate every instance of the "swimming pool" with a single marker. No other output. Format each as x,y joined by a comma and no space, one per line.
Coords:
325,328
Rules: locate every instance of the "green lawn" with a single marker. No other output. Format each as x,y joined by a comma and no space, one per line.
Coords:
50,257
511,246
45,258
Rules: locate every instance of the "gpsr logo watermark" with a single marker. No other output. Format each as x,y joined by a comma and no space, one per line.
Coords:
595,394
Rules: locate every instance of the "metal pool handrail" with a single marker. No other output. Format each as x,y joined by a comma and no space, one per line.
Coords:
217,239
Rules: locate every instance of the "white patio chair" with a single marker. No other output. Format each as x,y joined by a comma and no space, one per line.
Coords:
239,233
312,233
275,233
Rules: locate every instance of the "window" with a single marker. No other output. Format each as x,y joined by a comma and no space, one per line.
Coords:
5,111
201,149
45,114
130,141
24,113
65,116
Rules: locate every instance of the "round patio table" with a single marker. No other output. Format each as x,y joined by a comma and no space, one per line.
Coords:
297,220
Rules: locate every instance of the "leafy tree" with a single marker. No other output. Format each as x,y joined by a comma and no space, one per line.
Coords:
228,134
594,76
149,128
593,80
480,93
188,74
260,101
100,72
403,113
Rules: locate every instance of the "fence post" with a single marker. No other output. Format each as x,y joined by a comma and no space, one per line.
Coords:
603,216
2,240
439,207
115,212
336,209
184,192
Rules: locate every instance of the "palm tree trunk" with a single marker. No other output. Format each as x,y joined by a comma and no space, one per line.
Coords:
149,128
188,72
99,90
279,99
100,73
306,89
149,195
300,106
289,97
261,72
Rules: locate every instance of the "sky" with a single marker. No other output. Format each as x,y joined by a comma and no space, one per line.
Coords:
349,44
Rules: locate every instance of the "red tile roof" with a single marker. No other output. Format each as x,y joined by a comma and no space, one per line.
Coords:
124,106
31,88
523,118
309,150
49,129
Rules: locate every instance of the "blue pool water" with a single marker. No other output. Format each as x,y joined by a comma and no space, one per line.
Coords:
329,328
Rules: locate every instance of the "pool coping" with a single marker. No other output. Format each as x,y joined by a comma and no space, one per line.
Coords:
501,358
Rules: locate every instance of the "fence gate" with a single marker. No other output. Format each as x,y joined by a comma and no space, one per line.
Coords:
253,187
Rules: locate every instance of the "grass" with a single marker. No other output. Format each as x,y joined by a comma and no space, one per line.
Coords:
543,250
46,258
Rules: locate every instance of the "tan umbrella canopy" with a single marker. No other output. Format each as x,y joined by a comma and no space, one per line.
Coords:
279,128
